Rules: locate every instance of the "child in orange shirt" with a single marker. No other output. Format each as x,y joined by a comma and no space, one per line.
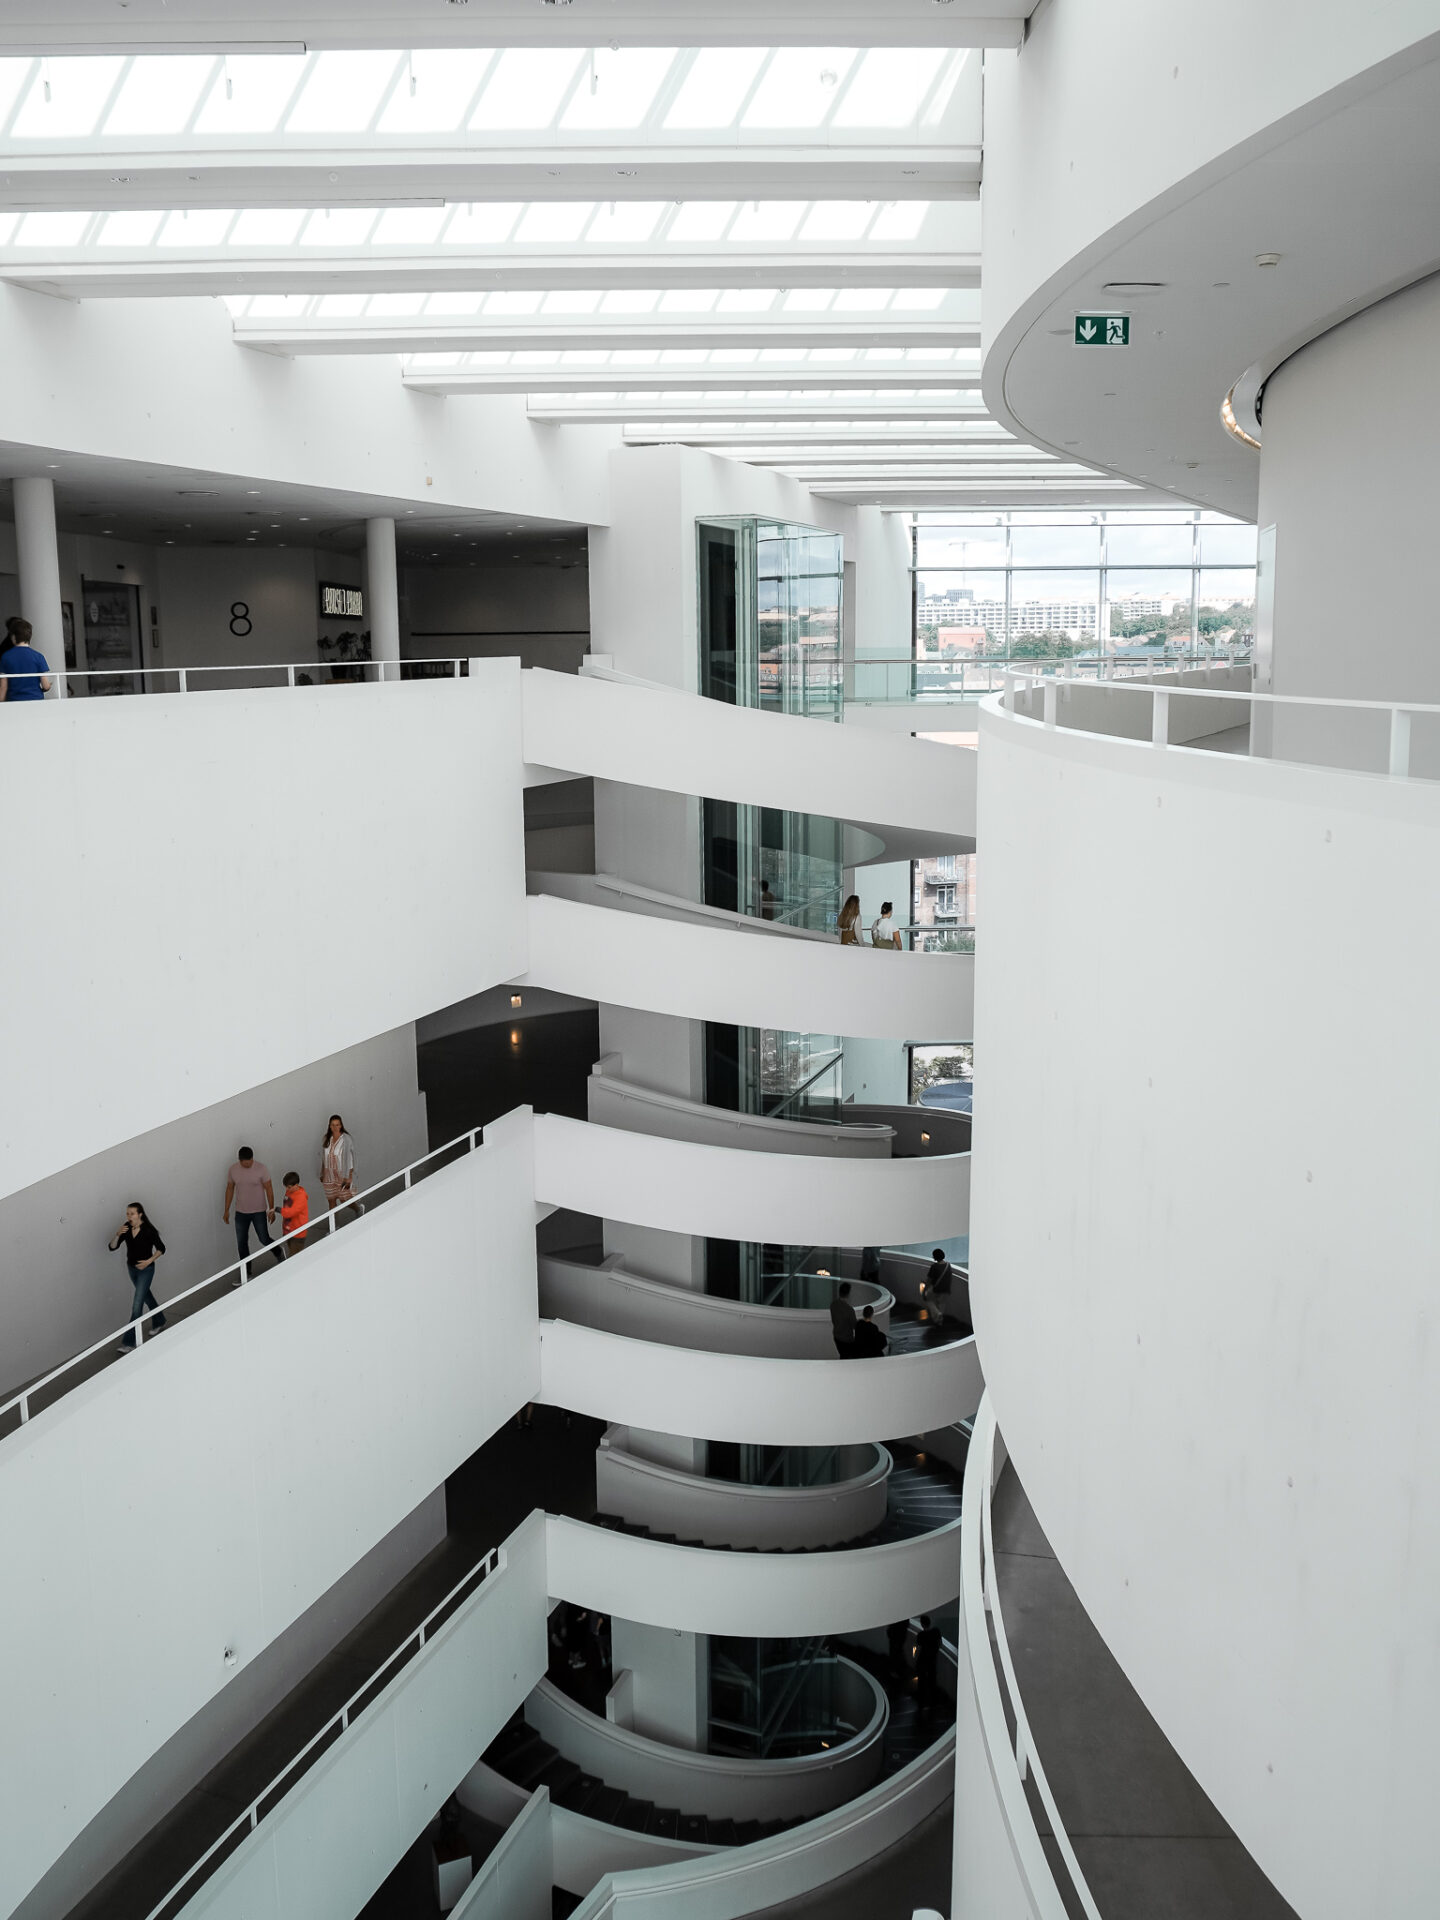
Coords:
294,1212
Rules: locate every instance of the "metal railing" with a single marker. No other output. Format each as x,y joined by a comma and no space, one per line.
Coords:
998,1696
241,1271
292,673
1390,725
275,1789
878,679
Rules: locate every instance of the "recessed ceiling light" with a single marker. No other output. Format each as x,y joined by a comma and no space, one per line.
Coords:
1267,259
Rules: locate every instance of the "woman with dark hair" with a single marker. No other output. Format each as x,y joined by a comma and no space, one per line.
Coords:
24,672
849,922
337,1167
143,1246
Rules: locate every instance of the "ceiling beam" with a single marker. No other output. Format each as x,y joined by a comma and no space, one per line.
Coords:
762,444
1001,458
689,412
85,277
379,174
91,26
621,334
759,377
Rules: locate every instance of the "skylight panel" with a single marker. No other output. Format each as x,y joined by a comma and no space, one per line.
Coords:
13,75
571,300
799,87
391,304
278,306
688,300
837,219
339,226
889,87
939,100
67,98
340,306
435,91
630,300
485,224
768,219
625,220
341,92
701,220
746,300
862,299
919,299
252,92
128,229
197,227
554,221
715,88
525,88
512,300
809,299
901,220
617,87
51,229
443,303
8,224
267,227
159,93
409,226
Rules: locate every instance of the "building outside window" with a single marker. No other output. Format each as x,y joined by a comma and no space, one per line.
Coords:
942,903
1120,582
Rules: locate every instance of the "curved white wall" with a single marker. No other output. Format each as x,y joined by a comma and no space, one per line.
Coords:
733,1513
1342,484
219,1481
642,734
782,1403
615,1301
732,1194
759,1596
173,962
1211,1355
750,980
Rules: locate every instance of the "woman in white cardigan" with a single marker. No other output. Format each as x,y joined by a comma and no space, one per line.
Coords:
337,1167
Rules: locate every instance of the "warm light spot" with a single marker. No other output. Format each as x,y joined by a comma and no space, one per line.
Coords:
515,1000
824,1272
514,1036
924,1139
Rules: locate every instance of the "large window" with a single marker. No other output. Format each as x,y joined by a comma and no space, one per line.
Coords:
1053,585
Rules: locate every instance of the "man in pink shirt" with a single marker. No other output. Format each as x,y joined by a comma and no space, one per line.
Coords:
249,1186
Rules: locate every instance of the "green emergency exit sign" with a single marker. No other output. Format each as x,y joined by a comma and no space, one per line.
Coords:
1102,329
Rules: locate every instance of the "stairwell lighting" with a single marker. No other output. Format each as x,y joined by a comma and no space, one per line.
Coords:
515,1000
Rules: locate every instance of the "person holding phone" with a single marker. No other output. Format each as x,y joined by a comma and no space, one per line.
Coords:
142,1246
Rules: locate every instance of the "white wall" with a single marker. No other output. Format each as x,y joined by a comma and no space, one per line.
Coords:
782,1403
670,1686
724,973
757,1595
195,588
516,1881
162,381
216,1483
61,1288
1350,493
730,1193
1211,1355
880,549
192,922
336,1835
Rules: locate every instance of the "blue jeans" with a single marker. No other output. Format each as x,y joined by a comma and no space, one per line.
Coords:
243,1224
140,1278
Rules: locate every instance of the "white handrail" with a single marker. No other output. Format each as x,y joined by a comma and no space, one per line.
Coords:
240,1268
979,1596
286,668
493,1562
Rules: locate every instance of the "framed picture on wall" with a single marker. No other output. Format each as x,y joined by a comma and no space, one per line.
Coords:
112,636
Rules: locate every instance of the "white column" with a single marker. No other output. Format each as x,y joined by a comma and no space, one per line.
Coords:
382,587
39,560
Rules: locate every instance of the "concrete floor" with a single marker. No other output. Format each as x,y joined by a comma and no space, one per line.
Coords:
914,1873
1150,1843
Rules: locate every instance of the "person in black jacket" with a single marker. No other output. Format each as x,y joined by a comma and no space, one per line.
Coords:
870,1342
143,1246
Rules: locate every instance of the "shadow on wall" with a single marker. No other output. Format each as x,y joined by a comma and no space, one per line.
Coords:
471,1077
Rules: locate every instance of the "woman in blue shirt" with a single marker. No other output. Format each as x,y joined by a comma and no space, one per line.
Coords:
25,671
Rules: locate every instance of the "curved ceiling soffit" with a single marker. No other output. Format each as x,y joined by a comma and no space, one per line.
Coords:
1343,246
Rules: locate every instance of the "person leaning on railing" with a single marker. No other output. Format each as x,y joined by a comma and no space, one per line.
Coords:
24,670
848,922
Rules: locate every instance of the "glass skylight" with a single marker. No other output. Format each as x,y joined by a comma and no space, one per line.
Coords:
567,93
567,304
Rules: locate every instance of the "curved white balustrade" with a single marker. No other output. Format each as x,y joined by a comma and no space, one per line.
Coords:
781,1403
732,1194
758,1596
731,1513
1195,1273
723,1786
621,1103
1002,1867
698,972
643,734
614,1300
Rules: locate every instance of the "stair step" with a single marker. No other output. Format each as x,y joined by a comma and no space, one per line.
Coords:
579,1796
693,1827
526,1766
664,1823
747,1832
633,1814
560,1776
722,1833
